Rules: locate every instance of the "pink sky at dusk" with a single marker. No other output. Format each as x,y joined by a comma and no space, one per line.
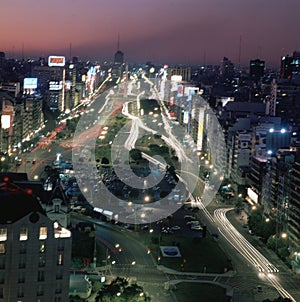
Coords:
167,31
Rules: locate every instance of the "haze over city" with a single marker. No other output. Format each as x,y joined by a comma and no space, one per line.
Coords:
169,31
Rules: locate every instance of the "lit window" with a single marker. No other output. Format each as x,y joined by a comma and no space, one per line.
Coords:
23,234
3,234
43,233
60,259
2,248
42,248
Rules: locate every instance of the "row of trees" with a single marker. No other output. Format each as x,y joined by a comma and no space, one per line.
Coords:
266,229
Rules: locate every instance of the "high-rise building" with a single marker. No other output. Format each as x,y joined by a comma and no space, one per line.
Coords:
294,217
290,66
226,70
184,72
257,68
35,251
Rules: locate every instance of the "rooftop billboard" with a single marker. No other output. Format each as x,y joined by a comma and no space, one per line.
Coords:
56,61
30,83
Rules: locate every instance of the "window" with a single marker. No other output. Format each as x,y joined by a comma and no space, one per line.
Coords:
58,289
2,263
3,234
22,262
2,274
57,299
2,248
42,248
59,274
21,277
42,260
20,293
43,233
60,259
1,292
40,290
23,248
23,234
41,276
56,208
60,245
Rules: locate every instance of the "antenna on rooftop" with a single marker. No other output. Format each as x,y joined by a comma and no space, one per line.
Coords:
70,52
118,42
22,51
240,53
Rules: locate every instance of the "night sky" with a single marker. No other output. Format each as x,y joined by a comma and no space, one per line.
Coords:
164,31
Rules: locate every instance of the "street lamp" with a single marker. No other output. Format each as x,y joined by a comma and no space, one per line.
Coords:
283,235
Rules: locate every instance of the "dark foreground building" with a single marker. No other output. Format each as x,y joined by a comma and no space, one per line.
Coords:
35,252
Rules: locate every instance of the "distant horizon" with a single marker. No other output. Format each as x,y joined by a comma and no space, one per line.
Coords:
110,58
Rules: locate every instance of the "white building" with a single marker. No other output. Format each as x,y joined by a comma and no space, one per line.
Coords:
35,252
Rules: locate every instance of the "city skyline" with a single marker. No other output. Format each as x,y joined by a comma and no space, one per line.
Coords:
189,32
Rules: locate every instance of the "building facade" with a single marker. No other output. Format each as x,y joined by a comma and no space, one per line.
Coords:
35,252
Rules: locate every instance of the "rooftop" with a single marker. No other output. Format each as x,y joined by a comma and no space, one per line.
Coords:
16,203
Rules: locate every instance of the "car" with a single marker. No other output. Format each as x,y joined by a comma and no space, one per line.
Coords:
259,288
193,222
176,228
189,217
196,227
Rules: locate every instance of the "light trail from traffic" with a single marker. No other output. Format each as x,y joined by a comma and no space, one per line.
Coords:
250,253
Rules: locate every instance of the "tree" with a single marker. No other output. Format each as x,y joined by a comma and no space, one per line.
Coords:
135,154
104,161
120,291
279,299
260,226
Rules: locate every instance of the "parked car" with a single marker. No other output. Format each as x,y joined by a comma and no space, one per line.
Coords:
196,227
193,222
176,228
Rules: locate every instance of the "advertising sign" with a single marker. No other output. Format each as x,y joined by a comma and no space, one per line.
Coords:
5,121
30,83
56,61
55,85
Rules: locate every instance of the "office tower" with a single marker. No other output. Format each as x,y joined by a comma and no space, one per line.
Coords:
226,70
294,217
257,68
290,66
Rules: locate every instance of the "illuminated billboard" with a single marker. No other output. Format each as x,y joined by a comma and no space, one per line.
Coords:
176,78
185,117
200,129
56,61
252,195
5,121
30,83
55,85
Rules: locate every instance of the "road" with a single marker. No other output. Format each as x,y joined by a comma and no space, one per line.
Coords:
252,266
133,261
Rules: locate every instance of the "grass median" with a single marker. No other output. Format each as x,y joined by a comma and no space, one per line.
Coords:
198,254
